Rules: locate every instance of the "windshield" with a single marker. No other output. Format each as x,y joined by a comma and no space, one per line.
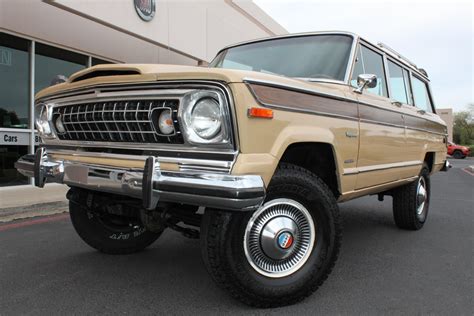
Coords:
314,56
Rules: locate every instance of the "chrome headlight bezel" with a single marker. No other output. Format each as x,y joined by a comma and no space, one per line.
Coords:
43,120
190,100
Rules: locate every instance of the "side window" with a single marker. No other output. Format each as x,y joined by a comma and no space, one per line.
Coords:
421,96
398,85
370,62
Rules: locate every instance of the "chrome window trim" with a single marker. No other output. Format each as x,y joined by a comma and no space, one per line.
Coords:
350,60
352,171
89,93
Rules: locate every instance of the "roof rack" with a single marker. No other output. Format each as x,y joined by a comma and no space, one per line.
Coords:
391,50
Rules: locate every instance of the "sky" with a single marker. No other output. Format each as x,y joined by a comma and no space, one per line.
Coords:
436,35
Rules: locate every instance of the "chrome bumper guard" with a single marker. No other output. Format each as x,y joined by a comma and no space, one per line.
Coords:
223,191
446,166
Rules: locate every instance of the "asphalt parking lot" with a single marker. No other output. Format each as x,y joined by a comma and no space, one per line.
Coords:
46,269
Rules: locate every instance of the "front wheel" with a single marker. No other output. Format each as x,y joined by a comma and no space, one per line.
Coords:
112,228
280,253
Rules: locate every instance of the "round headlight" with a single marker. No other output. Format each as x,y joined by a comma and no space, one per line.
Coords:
58,123
165,123
206,118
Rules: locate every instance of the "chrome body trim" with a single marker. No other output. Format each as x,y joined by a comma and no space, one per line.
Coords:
357,170
97,95
222,166
150,184
147,89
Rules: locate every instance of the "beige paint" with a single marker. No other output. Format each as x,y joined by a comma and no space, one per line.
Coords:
446,114
263,141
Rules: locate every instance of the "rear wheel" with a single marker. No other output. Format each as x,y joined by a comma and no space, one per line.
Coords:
458,154
411,202
113,228
280,253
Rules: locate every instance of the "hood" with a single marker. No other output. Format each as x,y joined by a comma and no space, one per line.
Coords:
136,73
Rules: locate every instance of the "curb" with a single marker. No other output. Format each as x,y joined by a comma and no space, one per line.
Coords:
42,209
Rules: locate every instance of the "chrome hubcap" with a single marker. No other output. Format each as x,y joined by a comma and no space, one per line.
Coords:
279,238
421,196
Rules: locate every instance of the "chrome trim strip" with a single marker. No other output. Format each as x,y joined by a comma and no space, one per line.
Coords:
381,123
352,171
183,163
295,88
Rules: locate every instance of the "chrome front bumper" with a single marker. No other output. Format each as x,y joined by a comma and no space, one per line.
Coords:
215,190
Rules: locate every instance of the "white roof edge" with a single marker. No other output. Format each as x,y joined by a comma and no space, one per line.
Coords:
355,36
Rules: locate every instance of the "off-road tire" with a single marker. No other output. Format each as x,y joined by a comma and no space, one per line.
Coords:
405,203
457,154
222,235
96,234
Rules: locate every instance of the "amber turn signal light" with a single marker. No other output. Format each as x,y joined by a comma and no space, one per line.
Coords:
259,112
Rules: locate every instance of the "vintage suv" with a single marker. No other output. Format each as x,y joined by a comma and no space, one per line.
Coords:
251,154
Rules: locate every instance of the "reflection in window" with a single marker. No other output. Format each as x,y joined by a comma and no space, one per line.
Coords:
398,85
52,61
8,173
14,73
421,96
370,62
318,56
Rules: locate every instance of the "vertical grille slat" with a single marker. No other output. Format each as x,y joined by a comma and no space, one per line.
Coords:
117,121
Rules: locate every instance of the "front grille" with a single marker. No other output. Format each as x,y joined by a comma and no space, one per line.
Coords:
117,121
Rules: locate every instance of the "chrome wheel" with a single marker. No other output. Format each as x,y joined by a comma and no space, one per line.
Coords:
421,199
279,238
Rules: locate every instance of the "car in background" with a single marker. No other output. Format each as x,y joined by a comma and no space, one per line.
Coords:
458,151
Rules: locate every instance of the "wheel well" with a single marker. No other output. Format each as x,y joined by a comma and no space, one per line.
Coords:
317,158
429,159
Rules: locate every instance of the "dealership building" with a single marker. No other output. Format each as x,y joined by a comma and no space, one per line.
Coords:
42,39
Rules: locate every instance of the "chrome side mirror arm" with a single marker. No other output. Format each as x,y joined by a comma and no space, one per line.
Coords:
365,81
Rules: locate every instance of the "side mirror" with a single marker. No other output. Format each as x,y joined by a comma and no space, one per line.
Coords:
365,81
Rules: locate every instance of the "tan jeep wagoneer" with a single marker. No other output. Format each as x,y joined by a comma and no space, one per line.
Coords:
251,154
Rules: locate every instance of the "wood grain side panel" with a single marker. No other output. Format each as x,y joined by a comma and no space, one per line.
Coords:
420,123
300,101
379,115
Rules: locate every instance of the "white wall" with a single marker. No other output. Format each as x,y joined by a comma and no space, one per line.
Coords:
193,29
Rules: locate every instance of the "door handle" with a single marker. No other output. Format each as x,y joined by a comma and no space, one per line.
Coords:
399,104
421,111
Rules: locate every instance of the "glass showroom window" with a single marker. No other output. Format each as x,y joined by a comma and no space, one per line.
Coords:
51,62
14,107
8,156
97,61
14,82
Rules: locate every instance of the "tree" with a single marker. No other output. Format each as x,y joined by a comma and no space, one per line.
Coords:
463,129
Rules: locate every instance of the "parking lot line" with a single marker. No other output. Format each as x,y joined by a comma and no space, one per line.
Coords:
33,221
